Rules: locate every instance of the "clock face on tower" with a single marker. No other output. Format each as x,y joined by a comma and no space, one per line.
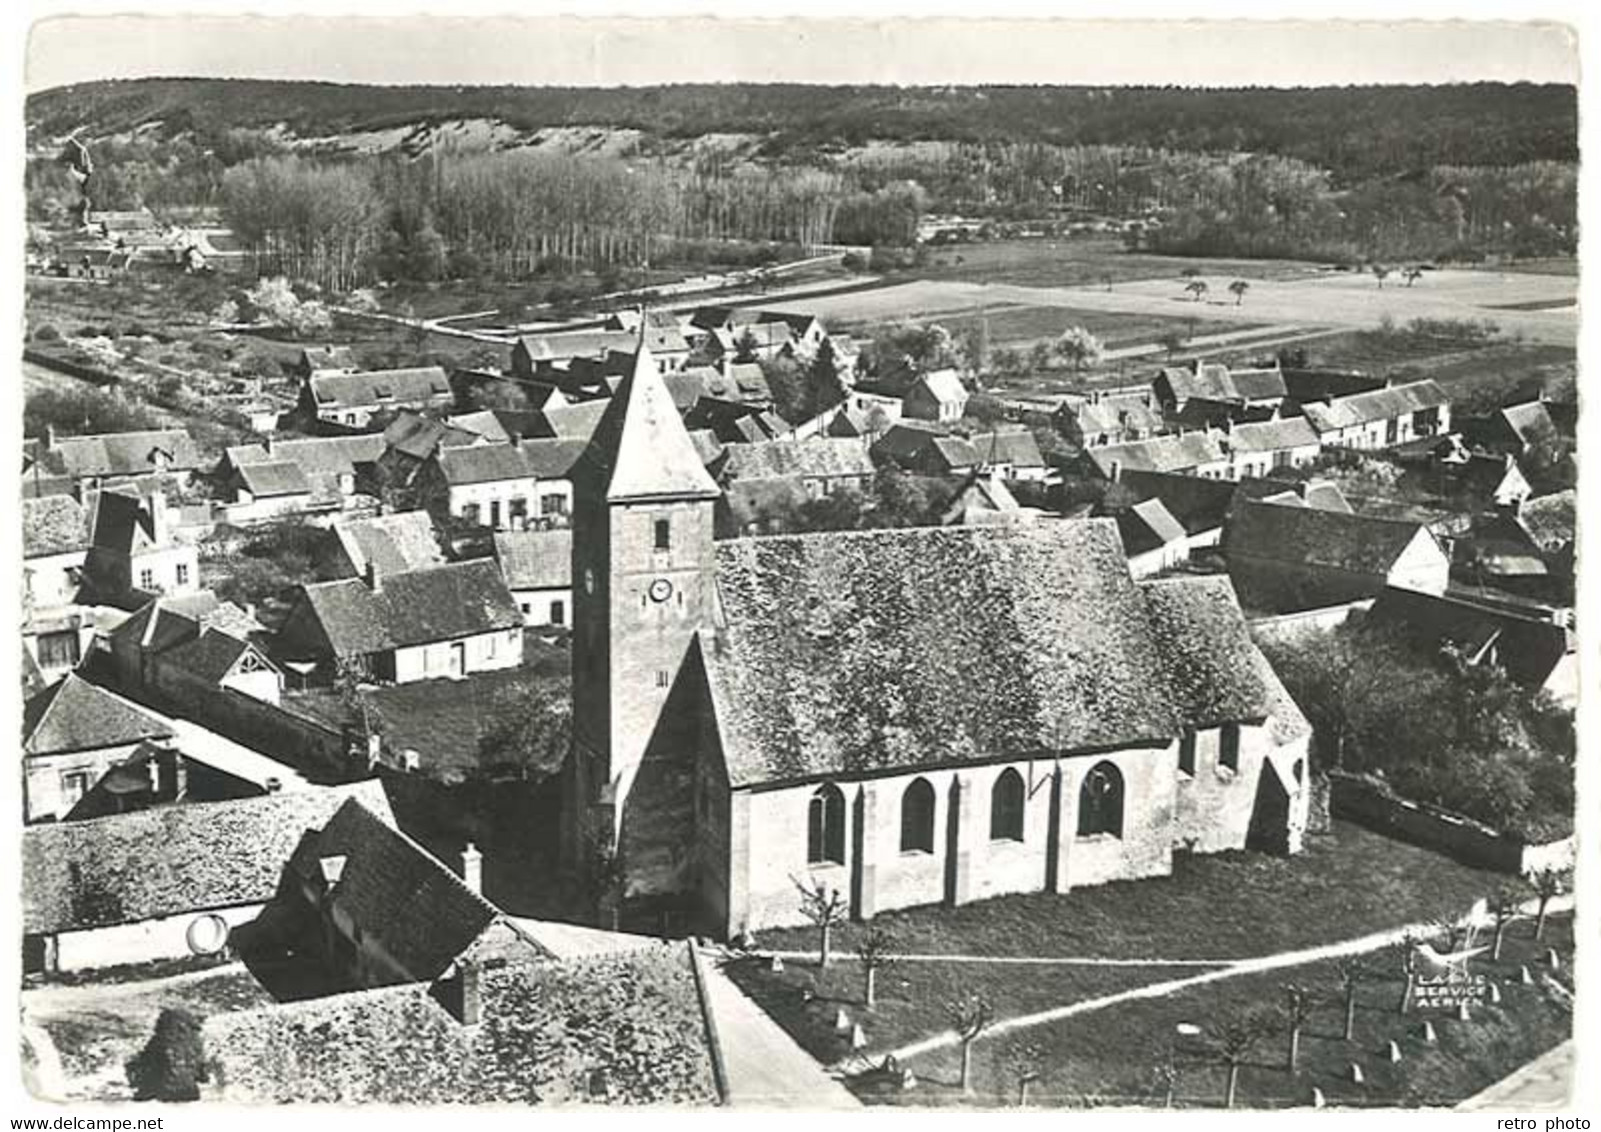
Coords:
661,589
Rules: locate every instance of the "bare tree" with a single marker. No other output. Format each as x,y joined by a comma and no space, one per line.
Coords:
826,908
1547,885
1504,909
1412,275
1197,288
1232,1038
1238,289
1352,973
970,1016
1024,1060
876,950
1297,1005
1408,957
1171,341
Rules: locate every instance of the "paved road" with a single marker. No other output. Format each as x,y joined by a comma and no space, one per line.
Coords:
1544,1083
764,1066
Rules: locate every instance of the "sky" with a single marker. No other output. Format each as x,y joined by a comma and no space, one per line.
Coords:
551,50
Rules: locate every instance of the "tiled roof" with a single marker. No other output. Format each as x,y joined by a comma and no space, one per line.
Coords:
1273,436
576,422
1148,525
905,439
1529,648
943,385
412,434
118,518
954,453
173,859
327,358
322,458
390,543
1360,544
210,655
625,1028
53,524
126,453
402,898
640,448
815,458
536,560
563,345
442,603
1377,405
75,715
377,388
1529,421
850,653
1159,454
279,478
521,459
1550,519
1015,446
707,446
1211,381
1257,384
486,423
1199,504
165,621
742,383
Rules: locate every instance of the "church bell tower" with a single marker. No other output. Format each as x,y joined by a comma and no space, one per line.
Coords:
643,581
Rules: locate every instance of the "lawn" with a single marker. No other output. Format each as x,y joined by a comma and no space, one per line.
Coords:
1117,1056
1086,262
1346,884
1021,326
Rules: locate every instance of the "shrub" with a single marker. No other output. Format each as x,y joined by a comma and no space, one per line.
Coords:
172,1066
47,333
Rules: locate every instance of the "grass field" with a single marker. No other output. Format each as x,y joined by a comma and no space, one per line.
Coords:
1086,262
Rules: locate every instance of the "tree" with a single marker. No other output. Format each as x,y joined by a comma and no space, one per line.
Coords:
876,950
1297,1005
172,1065
1232,1038
1352,973
1412,275
1407,955
1503,910
1080,348
352,676
1024,1061
1381,273
1171,341
986,409
825,907
529,729
1197,288
1238,289
1547,885
970,1016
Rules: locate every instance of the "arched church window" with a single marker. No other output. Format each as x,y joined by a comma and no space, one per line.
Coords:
825,826
1100,801
1006,807
917,817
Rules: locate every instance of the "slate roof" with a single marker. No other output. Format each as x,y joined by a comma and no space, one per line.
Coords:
1199,504
1273,436
640,448
376,388
521,459
1376,405
403,899
741,383
536,560
412,434
815,458
1529,421
576,422
210,655
125,453
1148,526
165,621
1114,414
906,439
1529,648
1158,454
53,524
1212,381
707,446
75,715
174,859
486,423
274,480
878,650
414,607
625,1028
1015,446
953,454
391,543
118,518
983,499
563,345
942,385
323,459
326,358
1360,544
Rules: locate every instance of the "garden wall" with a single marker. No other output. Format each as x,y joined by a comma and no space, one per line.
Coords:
1371,805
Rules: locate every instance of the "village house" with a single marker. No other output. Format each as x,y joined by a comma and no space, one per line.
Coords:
759,506
445,621
1194,453
566,422
72,734
647,1038
863,414
351,400
1264,448
751,342
534,355
1153,539
134,554
324,360
178,648
1107,417
1513,429
906,442
168,883
55,543
336,468
1382,418
538,568
1236,388
985,500
1011,453
506,487
735,383
1537,652
823,465
937,395
270,490
1285,558
411,440
1524,548
389,544
115,458
734,733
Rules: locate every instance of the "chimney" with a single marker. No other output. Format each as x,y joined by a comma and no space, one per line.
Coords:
1115,468
472,868
153,769
375,748
180,776
49,436
374,579
158,518
267,444
515,439
1301,488
273,784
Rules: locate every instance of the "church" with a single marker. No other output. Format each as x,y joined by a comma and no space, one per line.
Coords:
911,716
